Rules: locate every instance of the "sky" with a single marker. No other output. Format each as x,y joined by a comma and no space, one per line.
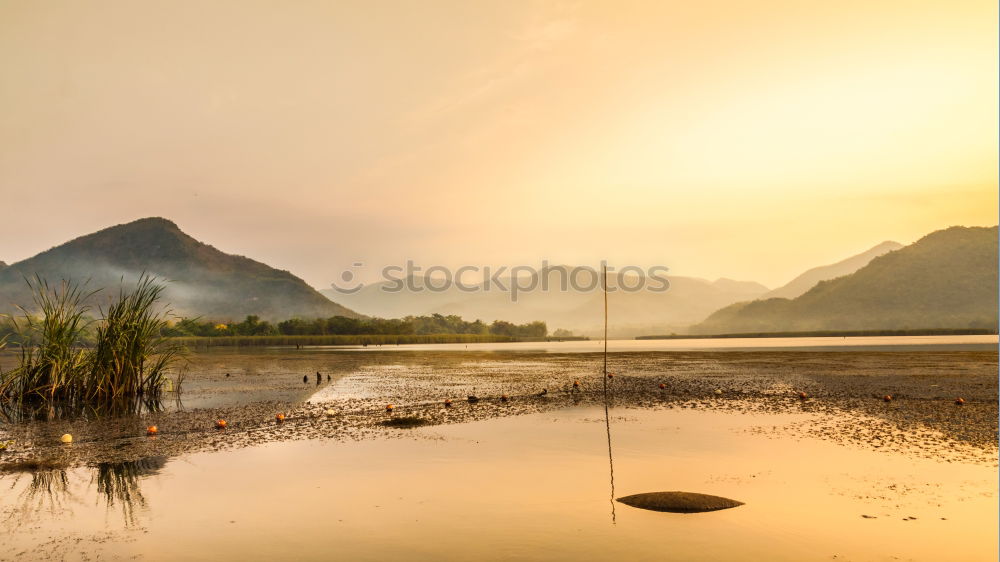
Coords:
748,140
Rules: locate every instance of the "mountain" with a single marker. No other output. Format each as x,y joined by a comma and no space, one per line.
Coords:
810,278
947,279
202,281
752,288
689,300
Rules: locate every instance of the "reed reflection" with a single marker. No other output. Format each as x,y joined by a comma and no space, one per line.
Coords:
53,490
24,411
120,484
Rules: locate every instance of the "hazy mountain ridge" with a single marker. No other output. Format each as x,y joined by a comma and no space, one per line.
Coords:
947,279
688,300
739,287
801,284
201,280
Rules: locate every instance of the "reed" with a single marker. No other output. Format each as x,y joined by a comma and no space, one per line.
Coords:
51,358
130,356
128,359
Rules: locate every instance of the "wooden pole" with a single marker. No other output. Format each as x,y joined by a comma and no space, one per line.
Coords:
607,416
604,279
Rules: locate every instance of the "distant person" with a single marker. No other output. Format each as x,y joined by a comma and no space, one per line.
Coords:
318,377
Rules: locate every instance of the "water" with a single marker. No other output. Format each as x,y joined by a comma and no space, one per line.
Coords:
527,487
861,343
535,482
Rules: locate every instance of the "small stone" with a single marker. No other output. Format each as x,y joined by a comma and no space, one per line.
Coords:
679,502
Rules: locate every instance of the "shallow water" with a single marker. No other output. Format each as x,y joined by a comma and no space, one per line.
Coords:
529,487
860,343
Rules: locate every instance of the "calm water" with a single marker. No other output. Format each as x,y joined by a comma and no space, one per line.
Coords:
867,343
528,487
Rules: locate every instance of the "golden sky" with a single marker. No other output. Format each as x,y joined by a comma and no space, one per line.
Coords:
749,140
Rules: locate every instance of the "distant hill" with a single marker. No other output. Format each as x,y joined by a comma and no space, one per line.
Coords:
947,279
739,287
812,277
689,300
203,281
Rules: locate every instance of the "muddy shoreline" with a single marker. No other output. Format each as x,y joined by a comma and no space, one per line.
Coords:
844,392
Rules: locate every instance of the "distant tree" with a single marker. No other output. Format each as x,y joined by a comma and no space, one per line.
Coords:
252,325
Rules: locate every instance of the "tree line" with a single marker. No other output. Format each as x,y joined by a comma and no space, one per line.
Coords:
342,325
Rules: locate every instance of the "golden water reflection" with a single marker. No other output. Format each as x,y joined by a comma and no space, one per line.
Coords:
529,487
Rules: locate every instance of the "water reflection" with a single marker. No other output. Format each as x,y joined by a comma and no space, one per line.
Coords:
49,493
119,484
611,459
521,487
15,412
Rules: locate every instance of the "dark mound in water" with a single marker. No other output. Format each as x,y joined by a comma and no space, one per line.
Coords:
405,422
679,502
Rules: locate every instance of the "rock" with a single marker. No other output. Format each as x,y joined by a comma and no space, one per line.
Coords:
405,422
679,502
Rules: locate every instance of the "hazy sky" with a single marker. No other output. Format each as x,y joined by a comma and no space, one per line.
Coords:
749,140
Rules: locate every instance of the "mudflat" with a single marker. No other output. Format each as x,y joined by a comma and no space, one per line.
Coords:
846,391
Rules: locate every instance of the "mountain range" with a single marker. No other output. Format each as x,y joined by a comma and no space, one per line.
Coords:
947,279
200,280
812,277
687,301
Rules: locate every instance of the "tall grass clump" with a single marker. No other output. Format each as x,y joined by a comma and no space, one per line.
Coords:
52,361
126,359
130,355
